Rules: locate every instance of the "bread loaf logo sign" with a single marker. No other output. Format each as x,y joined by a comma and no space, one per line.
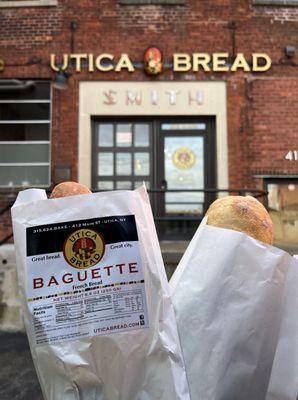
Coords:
153,61
84,248
184,158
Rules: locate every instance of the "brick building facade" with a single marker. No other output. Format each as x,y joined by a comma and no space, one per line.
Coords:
261,108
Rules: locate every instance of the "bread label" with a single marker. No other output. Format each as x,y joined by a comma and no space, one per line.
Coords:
85,278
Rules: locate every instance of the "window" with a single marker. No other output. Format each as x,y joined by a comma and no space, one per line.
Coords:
283,209
122,156
151,2
27,3
285,3
25,125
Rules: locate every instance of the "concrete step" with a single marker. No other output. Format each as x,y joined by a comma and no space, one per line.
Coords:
172,251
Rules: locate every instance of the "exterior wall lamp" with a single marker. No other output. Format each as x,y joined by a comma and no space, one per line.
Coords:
290,51
60,80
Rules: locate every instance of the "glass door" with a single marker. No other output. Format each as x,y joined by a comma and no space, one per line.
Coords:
184,170
187,167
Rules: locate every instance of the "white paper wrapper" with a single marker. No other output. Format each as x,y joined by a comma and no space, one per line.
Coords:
229,293
283,384
135,364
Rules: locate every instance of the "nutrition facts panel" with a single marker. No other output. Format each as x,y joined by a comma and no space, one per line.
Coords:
60,319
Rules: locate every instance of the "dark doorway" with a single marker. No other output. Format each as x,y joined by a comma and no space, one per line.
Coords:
166,153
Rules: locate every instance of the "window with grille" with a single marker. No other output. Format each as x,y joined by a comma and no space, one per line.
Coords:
283,209
285,3
25,132
27,3
153,2
121,155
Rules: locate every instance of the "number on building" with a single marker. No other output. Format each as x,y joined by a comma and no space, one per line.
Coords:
292,155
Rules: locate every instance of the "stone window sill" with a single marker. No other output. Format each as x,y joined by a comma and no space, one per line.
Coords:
28,3
283,3
152,2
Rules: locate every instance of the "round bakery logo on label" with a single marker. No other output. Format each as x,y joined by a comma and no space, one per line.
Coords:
83,248
184,158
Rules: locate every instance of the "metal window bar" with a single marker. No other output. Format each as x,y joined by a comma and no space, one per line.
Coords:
255,192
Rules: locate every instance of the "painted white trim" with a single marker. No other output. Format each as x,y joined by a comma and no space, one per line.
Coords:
28,3
91,103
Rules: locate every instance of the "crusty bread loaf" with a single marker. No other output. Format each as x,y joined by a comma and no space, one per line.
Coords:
65,189
244,214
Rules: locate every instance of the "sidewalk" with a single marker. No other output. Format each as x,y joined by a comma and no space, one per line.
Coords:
18,380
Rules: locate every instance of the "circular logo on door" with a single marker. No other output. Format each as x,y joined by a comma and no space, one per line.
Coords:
184,158
83,248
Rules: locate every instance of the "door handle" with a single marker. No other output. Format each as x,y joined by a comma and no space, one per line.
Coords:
164,184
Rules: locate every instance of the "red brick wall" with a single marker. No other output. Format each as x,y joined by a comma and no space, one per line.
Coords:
262,109
274,125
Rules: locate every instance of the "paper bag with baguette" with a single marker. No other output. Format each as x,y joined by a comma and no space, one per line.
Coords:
233,294
95,296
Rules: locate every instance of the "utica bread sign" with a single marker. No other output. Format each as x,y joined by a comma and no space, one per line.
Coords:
83,248
153,64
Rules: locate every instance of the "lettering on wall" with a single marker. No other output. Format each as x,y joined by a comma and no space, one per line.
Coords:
154,97
180,62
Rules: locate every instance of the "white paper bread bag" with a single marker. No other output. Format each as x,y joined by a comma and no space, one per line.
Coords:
95,296
283,384
230,293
